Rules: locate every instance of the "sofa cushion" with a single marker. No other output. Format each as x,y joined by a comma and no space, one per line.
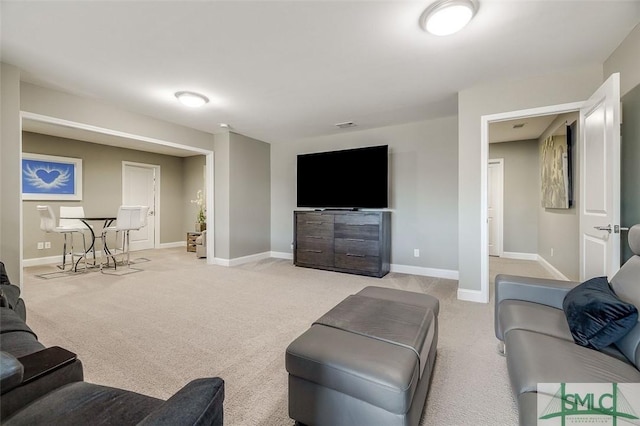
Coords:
521,315
16,337
85,403
596,316
387,377
626,284
528,408
198,403
534,358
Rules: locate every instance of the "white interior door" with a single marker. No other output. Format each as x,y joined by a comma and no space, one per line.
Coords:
600,181
494,206
140,188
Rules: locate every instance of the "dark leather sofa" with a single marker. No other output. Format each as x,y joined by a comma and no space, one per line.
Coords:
41,385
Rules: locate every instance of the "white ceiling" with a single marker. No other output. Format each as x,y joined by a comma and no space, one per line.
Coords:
280,71
503,131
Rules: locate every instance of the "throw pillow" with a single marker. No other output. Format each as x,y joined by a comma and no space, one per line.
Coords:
596,316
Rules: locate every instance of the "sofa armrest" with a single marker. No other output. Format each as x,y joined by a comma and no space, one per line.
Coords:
41,363
199,403
536,290
11,372
44,371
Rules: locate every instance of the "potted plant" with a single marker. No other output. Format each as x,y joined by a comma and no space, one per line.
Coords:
201,218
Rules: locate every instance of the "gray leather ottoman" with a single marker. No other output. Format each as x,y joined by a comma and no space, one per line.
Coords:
358,369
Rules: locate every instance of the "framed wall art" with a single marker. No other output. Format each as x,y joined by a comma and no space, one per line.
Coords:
48,177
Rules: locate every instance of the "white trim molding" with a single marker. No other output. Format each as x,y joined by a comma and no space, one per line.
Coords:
519,256
549,267
281,255
242,260
485,121
427,272
172,245
477,296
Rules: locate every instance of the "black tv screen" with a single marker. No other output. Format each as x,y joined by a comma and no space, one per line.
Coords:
351,178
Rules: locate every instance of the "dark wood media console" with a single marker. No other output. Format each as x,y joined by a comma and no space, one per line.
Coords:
357,242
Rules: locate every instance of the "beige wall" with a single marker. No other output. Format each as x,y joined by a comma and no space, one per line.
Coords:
193,179
102,188
9,169
249,196
422,188
626,60
221,196
242,196
559,229
521,194
564,87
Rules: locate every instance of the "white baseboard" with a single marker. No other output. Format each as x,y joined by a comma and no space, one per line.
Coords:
427,272
519,256
472,296
37,261
241,260
172,245
549,267
281,255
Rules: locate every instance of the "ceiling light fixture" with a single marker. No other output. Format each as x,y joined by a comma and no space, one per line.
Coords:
446,17
191,99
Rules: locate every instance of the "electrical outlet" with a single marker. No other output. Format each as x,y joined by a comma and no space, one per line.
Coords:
47,244
552,252
40,245
416,252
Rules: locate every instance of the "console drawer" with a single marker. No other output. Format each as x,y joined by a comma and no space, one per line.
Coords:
357,262
357,246
357,232
359,219
314,226
314,256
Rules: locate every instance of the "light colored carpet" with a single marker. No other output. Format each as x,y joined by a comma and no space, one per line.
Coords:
179,319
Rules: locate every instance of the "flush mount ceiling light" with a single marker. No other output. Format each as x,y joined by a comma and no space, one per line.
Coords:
446,17
192,99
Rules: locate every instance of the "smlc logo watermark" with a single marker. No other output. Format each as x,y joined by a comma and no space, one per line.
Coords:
588,404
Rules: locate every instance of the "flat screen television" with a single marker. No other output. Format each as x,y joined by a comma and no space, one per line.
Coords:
347,179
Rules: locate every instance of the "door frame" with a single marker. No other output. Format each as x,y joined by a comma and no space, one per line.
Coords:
500,203
485,121
156,198
209,163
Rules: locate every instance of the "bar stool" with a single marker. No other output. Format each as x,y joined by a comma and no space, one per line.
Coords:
129,218
48,224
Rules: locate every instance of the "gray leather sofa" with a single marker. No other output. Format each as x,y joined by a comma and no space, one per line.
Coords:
44,386
538,344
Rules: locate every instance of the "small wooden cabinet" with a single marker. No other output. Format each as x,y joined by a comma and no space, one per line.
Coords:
191,240
357,242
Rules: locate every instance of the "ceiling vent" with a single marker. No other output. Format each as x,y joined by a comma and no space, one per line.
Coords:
346,124
519,126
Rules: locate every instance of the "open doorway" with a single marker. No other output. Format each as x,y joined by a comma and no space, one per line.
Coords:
111,139
486,122
536,238
599,163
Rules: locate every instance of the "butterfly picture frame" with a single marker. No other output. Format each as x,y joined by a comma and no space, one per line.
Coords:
49,177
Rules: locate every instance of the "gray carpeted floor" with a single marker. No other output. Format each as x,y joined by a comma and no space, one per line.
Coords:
180,319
